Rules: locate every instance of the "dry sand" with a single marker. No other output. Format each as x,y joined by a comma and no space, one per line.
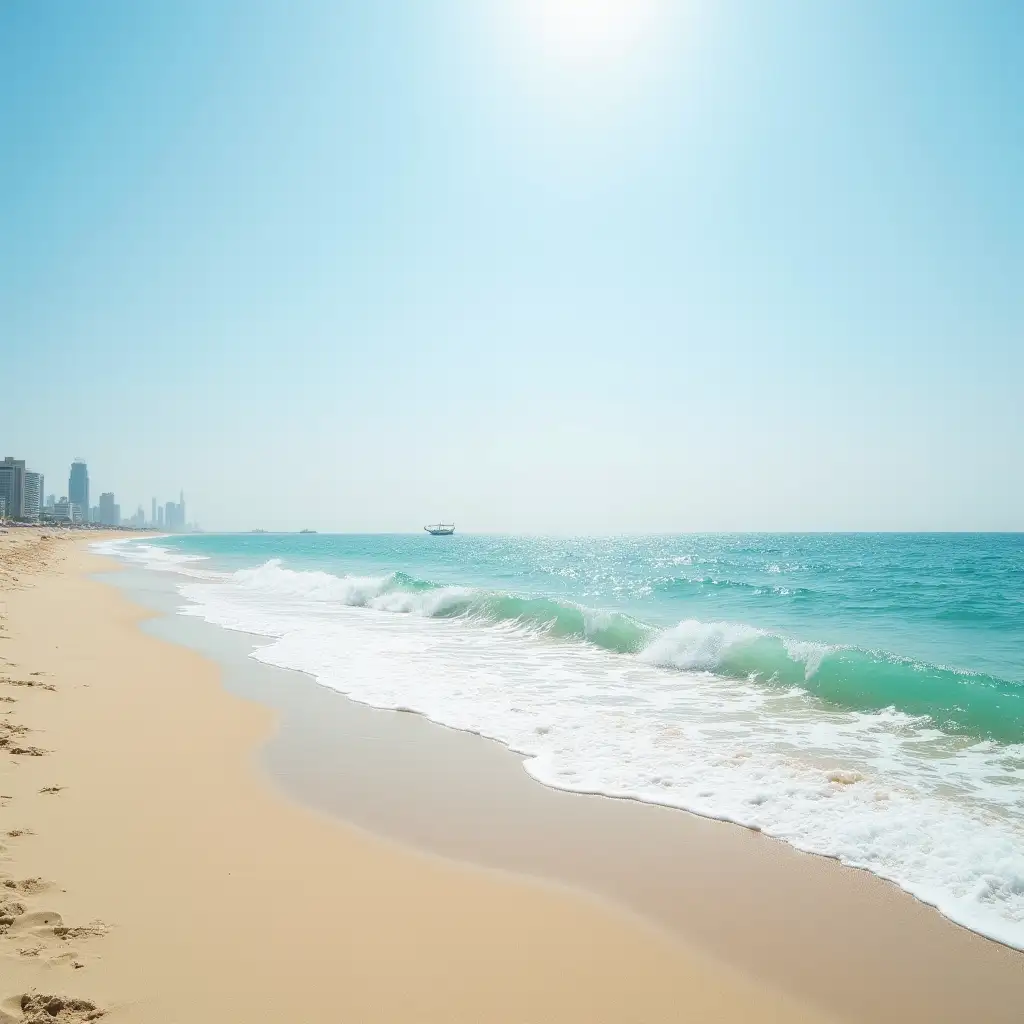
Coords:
149,871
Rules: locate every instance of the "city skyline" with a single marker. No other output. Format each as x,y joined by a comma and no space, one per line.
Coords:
23,498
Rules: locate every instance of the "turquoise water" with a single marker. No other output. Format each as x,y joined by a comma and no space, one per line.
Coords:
856,695
928,623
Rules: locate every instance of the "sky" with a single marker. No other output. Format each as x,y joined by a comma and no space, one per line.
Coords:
567,266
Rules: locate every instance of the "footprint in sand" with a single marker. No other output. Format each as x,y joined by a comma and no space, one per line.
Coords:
17,919
27,886
52,789
34,683
36,923
10,911
42,935
36,1007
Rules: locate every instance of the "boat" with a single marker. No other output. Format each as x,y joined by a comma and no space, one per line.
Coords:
307,531
440,529
257,531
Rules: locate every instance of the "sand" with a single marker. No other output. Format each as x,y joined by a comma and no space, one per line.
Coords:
150,871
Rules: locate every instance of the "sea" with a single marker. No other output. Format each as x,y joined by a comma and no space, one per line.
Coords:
858,696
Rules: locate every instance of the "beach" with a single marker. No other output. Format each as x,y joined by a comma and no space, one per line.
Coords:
177,851
188,889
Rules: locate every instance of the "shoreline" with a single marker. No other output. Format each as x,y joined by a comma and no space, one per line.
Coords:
156,876
818,738
795,921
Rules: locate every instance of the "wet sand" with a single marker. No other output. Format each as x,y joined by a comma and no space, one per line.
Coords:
152,871
853,945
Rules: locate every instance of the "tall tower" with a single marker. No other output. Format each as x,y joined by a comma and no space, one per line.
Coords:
12,487
78,487
152,518
32,505
181,510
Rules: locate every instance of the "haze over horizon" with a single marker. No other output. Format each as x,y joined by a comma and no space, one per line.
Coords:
566,267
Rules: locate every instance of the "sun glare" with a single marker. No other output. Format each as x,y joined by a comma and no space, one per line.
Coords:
587,30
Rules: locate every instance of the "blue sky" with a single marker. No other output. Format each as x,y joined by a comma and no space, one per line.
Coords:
734,266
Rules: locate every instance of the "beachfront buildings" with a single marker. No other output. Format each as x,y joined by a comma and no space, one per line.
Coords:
109,510
65,511
78,486
21,491
32,510
23,499
12,486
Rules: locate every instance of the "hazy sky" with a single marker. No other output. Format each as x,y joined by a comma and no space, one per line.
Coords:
533,266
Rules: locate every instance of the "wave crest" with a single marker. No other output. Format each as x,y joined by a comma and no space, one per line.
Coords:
972,704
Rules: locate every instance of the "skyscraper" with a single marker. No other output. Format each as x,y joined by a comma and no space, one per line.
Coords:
152,519
110,513
78,486
12,486
32,506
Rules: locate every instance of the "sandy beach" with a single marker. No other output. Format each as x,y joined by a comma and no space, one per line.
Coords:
152,874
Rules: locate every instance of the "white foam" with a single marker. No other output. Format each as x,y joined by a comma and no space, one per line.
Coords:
697,645
153,556
941,817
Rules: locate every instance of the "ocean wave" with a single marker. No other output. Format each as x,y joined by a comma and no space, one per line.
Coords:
972,704
404,594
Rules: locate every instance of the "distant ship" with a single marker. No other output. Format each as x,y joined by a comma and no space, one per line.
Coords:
440,529
307,531
257,531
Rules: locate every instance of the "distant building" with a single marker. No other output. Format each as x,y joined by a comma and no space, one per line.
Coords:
65,511
78,485
12,487
3,507
160,517
109,511
171,515
176,514
152,518
51,500
32,505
